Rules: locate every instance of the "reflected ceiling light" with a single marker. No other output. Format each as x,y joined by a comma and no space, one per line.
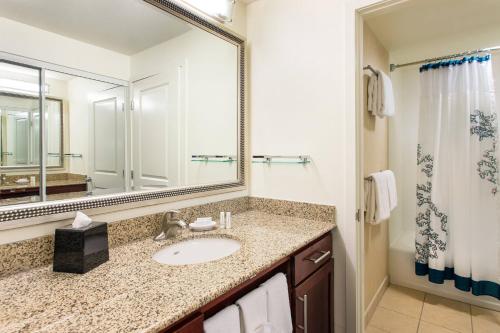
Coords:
18,69
21,87
221,10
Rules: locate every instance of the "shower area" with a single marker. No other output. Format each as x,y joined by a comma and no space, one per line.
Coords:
441,143
443,140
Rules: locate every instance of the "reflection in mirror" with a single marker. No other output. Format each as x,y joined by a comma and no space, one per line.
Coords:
19,134
93,123
21,139
171,118
185,111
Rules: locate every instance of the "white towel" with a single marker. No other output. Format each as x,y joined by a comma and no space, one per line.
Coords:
278,303
391,185
385,96
382,201
224,321
253,307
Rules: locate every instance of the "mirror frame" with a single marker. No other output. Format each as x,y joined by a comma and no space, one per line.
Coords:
32,210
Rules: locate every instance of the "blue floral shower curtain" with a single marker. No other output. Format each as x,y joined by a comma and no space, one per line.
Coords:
458,204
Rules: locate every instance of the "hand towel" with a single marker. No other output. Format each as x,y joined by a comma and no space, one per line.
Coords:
253,307
372,94
224,321
278,303
382,203
385,96
391,184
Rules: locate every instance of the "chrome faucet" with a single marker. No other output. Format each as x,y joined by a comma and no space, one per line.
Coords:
170,225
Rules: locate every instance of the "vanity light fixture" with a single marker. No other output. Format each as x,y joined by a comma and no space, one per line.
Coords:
21,87
220,10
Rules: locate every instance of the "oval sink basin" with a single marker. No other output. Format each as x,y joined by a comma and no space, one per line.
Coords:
196,251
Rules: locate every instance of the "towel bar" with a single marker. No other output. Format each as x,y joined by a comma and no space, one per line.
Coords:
371,69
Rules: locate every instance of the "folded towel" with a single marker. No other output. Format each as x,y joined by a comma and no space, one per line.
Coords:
253,307
385,96
382,201
372,94
224,321
380,196
278,303
391,185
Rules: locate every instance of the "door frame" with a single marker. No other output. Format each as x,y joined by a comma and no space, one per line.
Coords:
357,12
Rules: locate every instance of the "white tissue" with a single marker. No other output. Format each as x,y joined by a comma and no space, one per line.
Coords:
81,220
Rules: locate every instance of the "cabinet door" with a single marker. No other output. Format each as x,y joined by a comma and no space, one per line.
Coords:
313,302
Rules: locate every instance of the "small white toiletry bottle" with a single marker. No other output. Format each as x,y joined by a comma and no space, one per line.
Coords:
222,220
228,220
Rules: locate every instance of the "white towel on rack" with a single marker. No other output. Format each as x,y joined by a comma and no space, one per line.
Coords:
278,303
380,196
385,96
391,185
225,321
253,307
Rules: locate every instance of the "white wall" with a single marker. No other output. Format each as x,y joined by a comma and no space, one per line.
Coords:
28,41
297,102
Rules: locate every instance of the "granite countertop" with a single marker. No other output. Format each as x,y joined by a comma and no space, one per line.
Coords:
133,293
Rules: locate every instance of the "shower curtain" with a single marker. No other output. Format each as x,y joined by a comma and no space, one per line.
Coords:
458,199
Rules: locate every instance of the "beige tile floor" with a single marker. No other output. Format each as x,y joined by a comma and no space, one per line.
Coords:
403,310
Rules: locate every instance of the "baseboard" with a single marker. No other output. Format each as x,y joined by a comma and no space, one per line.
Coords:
447,290
370,310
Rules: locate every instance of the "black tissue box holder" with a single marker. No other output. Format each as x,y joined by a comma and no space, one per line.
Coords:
82,249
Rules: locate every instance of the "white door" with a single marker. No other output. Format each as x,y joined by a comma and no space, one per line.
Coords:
157,130
107,142
21,147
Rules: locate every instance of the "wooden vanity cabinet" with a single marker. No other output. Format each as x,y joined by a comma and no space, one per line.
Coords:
191,325
310,279
312,292
313,302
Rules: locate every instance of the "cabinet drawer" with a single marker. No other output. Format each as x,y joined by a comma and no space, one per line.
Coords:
311,258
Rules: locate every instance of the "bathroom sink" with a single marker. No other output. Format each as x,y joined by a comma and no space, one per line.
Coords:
196,251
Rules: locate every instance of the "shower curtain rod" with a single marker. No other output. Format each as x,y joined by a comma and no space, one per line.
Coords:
393,67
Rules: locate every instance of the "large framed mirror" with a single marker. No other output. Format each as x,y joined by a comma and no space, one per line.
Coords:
149,107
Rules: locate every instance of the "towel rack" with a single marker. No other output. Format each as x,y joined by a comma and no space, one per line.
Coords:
299,159
371,69
66,155
214,158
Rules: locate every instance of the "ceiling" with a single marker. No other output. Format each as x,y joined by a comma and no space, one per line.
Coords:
419,20
124,26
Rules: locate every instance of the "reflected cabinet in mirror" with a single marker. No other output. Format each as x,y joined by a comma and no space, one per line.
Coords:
147,107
